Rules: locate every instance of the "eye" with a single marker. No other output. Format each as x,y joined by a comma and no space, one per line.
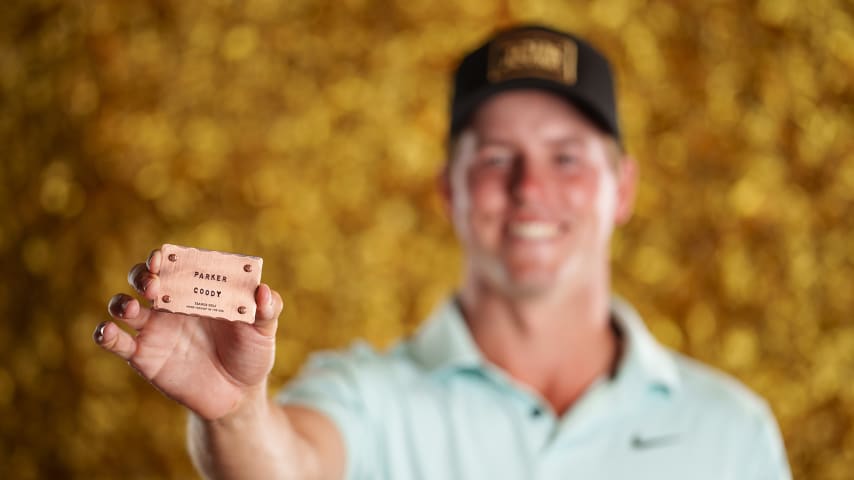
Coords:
495,160
565,159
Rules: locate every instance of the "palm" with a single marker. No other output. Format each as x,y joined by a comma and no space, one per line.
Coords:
207,365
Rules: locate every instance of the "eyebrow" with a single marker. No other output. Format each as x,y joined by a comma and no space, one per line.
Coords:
488,142
564,141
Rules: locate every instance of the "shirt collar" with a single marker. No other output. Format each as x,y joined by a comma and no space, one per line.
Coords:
444,341
444,344
643,360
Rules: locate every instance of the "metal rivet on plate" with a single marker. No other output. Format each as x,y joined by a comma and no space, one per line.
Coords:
172,257
167,299
241,310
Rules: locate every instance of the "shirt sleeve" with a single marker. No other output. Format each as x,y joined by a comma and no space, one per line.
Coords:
330,383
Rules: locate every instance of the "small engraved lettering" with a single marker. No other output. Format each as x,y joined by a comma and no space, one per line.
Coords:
205,291
210,276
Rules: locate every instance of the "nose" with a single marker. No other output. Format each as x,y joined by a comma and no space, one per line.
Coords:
527,181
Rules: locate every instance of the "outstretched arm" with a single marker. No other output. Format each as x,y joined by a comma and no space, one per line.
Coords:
219,371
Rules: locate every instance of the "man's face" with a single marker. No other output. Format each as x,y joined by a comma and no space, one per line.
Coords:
535,191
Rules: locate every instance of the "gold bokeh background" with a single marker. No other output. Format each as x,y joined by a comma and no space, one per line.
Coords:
310,133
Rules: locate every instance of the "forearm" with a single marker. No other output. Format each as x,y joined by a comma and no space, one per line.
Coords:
256,441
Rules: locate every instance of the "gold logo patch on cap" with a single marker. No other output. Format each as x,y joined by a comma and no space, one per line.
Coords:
533,53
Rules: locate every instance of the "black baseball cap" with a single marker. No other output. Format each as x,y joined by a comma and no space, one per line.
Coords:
538,57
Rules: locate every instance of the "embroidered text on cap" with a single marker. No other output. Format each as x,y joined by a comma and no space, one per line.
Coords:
533,54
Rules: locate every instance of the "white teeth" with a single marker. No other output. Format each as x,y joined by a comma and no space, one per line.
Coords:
534,230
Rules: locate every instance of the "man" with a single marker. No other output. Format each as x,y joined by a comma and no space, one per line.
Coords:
533,370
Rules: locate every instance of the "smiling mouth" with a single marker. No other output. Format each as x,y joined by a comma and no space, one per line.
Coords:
534,230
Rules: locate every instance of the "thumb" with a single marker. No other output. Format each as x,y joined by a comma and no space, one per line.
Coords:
269,306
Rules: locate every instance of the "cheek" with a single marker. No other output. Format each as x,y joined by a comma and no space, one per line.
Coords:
605,204
579,196
579,193
488,196
478,205
590,196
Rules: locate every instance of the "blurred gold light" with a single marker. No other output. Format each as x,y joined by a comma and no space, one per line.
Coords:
312,134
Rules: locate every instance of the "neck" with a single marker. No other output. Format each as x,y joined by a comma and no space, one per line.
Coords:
557,343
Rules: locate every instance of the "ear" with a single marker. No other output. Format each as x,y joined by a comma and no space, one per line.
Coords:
627,181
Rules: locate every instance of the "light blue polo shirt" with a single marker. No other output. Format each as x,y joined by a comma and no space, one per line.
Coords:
433,408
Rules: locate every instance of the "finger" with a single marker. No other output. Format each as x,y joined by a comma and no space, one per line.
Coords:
127,309
144,281
269,306
153,262
113,339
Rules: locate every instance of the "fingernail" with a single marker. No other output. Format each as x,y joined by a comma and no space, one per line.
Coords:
123,306
99,332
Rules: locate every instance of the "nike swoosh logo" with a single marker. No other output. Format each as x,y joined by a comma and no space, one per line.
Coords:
641,443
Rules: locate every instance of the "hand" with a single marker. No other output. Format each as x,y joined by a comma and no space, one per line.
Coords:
210,366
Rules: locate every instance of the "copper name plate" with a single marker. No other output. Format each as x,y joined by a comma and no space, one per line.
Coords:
206,283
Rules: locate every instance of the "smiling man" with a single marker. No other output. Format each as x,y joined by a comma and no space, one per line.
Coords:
535,190
533,370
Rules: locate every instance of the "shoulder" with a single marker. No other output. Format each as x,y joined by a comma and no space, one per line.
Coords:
736,418
356,389
719,396
362,365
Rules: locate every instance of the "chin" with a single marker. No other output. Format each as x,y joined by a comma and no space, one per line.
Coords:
544,275
528,290
530,283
